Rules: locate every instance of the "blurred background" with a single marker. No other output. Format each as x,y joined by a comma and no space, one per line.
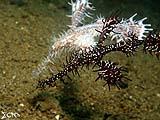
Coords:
26,30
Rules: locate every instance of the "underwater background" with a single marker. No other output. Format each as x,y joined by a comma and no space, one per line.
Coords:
26,30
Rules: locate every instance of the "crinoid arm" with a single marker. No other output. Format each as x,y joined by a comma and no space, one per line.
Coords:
128,40
111,74
78,59
107,28
152,44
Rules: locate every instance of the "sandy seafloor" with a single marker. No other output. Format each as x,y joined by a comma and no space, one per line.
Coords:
25,36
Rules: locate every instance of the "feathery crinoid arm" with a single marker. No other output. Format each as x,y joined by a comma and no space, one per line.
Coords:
111,74
80,10
84,57
152,44
129,41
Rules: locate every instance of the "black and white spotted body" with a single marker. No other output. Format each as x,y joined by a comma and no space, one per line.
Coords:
108,71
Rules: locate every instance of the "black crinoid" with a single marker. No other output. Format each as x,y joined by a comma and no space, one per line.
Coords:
108,71
152,44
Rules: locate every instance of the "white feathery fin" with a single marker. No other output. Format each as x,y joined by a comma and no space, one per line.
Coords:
131,18
79,12
137,27
70,3
141,21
